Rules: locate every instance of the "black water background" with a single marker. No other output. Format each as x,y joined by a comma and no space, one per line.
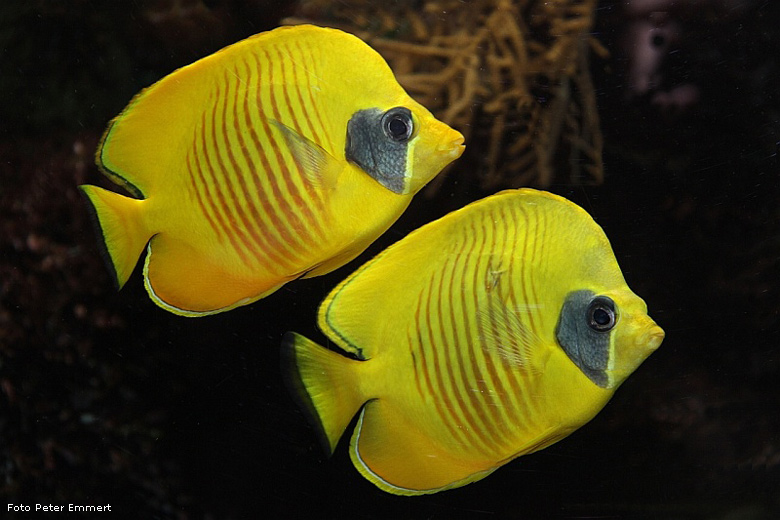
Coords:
108,399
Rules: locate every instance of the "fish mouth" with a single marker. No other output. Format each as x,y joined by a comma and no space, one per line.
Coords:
653,337
647,340
455,146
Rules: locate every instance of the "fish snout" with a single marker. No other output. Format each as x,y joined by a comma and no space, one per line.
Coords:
652,337
643,339
452,144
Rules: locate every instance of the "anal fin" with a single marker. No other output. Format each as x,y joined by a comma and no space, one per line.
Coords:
400,458
184,282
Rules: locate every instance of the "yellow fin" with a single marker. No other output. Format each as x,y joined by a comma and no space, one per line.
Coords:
121,228
503,333
325,384
350,311
143,144
400,459
317,165
211,286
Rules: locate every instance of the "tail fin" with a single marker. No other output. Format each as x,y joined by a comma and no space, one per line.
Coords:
119,223
325,384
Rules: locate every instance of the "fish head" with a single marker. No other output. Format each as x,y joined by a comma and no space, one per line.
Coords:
401,146
601,324
607,334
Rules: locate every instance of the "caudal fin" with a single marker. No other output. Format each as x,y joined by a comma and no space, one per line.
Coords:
325,384
121,228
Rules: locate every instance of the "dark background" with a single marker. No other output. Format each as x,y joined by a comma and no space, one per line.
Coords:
107,399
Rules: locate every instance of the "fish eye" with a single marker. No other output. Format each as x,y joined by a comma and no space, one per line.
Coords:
397,124
601,314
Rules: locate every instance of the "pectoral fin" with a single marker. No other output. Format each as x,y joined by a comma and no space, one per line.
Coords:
317,165
506,332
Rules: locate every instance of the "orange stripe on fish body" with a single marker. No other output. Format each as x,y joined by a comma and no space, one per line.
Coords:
491,333
281,156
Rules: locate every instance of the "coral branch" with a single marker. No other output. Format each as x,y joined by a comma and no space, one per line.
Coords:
513,76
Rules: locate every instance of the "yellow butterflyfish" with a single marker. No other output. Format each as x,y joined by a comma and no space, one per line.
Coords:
281,156
488,334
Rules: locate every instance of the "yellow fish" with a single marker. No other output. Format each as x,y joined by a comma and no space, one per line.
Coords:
488,334
281,156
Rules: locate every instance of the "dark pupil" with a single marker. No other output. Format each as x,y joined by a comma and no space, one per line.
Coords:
601,317
398,128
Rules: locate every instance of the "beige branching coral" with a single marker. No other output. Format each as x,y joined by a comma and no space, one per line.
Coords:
513,76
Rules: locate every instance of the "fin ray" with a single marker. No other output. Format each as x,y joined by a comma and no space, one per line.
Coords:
505,334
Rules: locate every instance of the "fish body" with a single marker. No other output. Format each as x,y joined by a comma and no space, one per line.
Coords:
490,333
281,156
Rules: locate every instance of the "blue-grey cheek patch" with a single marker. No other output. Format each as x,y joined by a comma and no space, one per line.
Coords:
374,152
588,349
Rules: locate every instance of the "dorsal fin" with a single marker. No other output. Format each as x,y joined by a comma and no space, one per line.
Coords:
356,313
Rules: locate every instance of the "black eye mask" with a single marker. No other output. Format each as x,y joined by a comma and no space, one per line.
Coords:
583,331
377,143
